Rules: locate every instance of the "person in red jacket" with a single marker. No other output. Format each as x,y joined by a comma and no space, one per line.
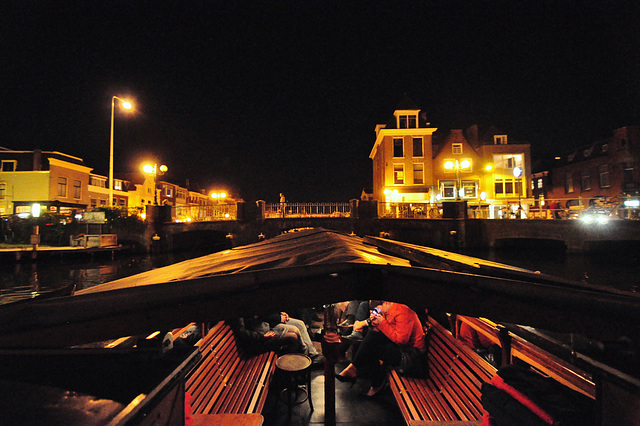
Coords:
395,326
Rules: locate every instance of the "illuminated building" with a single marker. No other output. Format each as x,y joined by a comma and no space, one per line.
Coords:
411,164
56,181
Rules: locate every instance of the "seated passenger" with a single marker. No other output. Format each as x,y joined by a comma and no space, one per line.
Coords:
255,337
360,324
281,322
395,328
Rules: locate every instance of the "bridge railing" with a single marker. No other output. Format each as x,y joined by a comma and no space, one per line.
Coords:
275,210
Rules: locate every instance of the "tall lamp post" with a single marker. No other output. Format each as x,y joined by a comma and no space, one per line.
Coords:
126,105
154,171
517,172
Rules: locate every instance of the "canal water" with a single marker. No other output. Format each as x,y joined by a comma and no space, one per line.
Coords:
619,269
25,280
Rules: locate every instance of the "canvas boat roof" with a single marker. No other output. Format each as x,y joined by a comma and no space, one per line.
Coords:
314,267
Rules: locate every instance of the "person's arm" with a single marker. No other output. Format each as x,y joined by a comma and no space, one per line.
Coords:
399,332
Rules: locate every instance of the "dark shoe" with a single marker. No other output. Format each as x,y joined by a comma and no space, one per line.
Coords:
355,336
346,379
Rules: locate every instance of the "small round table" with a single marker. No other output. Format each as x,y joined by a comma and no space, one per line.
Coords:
294,367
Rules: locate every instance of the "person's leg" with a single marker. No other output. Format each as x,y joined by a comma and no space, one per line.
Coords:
307,344
364,356
376,347
363,312
352,308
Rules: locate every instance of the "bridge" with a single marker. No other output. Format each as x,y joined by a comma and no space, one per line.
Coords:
445,233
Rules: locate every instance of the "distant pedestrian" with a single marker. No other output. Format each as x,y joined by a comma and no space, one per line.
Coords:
283,202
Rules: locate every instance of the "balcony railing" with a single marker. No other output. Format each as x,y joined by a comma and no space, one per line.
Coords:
274,210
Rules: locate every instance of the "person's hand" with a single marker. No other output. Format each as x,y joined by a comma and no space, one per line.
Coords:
359,325
269,334
376,320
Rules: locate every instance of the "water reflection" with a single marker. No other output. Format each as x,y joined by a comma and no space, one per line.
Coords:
20,281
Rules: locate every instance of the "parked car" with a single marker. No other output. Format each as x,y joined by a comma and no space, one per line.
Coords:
596,215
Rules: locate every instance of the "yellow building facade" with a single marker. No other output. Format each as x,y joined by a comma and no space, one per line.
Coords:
56,181
479,167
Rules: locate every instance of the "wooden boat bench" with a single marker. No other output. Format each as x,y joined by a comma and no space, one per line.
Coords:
451,393
515,347
227,381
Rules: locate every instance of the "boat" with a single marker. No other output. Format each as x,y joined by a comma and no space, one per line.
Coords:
315,267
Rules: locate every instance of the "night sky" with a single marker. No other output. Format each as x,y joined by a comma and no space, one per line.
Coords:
270,96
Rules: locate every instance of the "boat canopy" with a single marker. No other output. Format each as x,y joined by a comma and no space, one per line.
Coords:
315,267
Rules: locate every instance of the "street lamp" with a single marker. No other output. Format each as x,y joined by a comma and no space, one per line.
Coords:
218,195
125,105
154,171
457,165
517,172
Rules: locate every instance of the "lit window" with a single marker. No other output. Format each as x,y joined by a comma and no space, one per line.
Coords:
605,147
62,187
168,191
508,187
540,183
448,189
117,185
398,174
568,183
469,189
500,139
417,147
456,148
418,174
398,149
77,189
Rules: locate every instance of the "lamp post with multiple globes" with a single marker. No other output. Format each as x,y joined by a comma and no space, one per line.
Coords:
127,106
457,165
155,171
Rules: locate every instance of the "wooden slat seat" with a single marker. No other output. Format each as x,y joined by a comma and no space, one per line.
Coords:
451,393
544,362
226,380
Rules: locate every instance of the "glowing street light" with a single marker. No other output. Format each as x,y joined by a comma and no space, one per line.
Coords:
457,165
155,171
127,106
218,195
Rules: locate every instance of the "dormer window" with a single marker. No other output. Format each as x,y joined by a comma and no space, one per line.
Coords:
605,147
407,121
456,148
500,139
587,152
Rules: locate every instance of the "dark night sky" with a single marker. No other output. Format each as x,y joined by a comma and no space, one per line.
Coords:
270,96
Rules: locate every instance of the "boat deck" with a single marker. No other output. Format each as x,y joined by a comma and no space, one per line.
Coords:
352,406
